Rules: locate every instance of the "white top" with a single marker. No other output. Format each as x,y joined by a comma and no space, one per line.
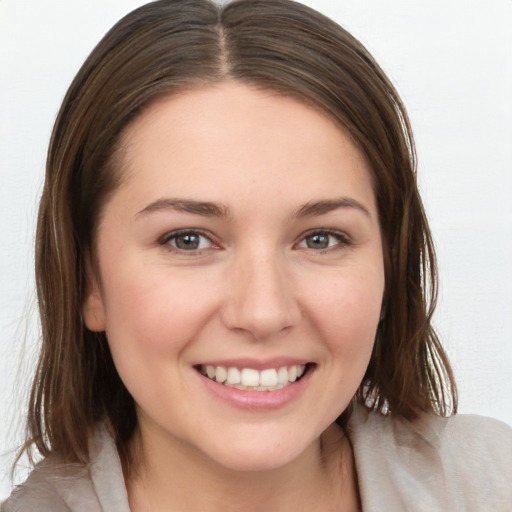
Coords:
462,463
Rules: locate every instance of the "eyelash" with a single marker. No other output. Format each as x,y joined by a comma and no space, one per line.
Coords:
167,238
342,240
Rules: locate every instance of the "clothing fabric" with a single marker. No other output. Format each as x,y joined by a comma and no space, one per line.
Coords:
462,463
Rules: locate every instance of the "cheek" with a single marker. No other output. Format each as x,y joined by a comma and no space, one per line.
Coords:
150,322
347,314
149,314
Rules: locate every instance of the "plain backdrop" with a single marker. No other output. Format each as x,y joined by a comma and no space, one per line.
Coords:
451,61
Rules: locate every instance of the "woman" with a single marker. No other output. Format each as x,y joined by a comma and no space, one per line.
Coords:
233,266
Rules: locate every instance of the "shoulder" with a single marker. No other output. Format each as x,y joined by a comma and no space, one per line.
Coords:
469,440
51,486
459,463
57,487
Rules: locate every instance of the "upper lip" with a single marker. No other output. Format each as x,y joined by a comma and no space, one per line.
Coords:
256,364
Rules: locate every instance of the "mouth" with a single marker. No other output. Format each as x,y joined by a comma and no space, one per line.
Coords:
250,379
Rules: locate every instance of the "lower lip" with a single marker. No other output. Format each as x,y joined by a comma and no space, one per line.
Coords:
257,400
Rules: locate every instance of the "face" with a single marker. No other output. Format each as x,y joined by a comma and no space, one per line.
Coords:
240,274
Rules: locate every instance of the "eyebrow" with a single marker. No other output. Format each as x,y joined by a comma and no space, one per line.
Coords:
315,208
204,208
212,209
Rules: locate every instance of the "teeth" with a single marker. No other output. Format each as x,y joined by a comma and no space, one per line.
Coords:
221,374
282,375
210,371
250,379
268,377
233,376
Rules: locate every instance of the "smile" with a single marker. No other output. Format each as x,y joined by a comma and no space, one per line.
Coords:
249,379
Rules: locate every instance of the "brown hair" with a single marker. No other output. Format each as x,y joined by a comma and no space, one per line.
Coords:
169,45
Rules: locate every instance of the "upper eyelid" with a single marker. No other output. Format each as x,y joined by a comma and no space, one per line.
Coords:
341,235
334,232
343,240
164,239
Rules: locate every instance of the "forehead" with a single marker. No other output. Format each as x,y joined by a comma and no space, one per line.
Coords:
256,141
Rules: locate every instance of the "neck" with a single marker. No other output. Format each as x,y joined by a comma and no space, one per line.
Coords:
180,478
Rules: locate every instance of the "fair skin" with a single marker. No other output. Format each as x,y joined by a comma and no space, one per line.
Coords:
244,235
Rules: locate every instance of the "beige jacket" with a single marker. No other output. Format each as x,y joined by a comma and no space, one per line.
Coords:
463,463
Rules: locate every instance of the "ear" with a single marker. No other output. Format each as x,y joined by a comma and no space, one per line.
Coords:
93,309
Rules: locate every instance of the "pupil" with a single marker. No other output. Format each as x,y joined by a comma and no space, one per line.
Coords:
318,241
188,241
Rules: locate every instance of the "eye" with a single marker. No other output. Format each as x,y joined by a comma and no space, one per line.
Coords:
321,240
187,240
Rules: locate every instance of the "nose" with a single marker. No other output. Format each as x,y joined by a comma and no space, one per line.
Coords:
260,297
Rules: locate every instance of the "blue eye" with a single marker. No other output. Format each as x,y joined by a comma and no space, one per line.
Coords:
321,240
187,241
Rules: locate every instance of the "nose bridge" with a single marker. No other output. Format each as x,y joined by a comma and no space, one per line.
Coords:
261,299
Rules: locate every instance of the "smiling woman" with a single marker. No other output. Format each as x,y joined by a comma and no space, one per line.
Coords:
233,268
285,281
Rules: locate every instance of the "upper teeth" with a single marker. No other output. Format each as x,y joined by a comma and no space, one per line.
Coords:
265,380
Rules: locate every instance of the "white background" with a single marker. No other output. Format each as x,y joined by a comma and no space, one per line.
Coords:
451,61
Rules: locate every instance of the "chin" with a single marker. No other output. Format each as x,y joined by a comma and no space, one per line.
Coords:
259,456
255,462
